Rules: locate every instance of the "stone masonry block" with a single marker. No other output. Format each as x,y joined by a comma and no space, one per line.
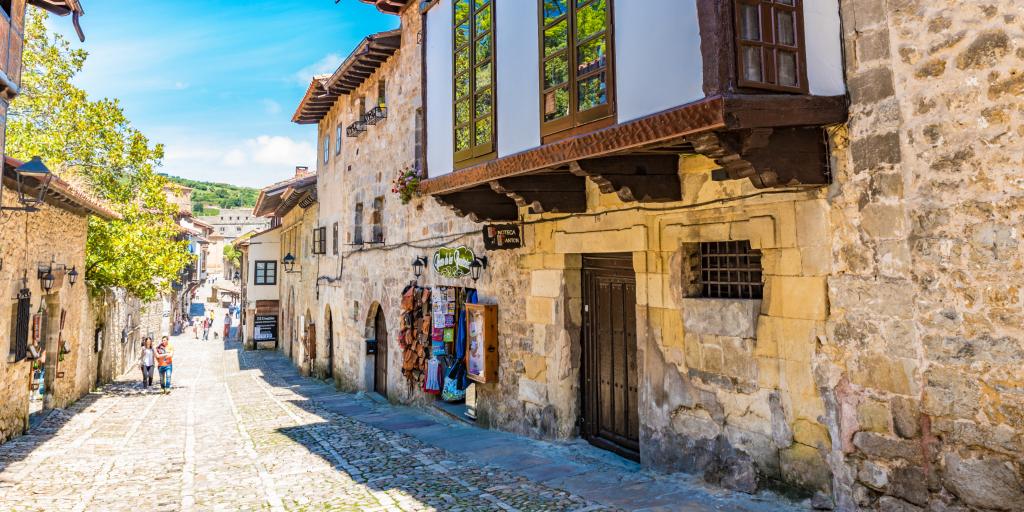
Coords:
812,223
546,283
871,86
767,373
629,240
874,150
760,231
672,331
533,392
536,367
540,310
781,262
885,373
797,339
883,220
722,317
691,348
798,297
798,381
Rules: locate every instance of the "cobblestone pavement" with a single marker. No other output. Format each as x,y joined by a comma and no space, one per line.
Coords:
242,431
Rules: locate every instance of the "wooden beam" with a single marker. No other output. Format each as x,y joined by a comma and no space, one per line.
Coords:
480,204
549,192
647,178
782,157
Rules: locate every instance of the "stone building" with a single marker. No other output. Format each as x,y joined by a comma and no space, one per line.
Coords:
50,355
232,223
292,207
730,265
261,301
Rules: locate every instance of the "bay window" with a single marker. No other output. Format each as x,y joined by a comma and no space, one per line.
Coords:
576,72
769,44
473,84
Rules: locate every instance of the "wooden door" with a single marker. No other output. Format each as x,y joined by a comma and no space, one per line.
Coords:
609,370
329,336
311,344
380,363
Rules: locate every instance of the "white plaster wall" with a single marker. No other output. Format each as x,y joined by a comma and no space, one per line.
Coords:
439,89
658,63
518,75
263,248
824,48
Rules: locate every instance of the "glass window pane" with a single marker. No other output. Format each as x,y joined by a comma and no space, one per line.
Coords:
553,9
462,138
461,10
556,104
750,22
593,92
556,37
786,23
556,71
462,61
483,21
483,49
590,57
787,69
752,63
462,35
483,131
483,76
483,103
462,111
591,19
462,86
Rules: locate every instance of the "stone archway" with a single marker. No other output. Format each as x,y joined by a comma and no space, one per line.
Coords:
309,342
377,363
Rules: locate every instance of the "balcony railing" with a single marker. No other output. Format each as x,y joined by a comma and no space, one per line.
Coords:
378,114
356,128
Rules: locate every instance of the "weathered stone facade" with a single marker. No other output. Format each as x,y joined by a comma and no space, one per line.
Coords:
298,288
26,241
921,366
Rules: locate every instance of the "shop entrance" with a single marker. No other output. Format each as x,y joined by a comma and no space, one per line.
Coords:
609,366
380,360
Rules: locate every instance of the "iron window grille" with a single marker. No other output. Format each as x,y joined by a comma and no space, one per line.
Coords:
22,319
728,270
320,240
376,114
265,273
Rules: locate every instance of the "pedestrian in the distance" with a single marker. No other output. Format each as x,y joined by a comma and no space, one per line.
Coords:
227,324
195,327
207,323
164,360
147,360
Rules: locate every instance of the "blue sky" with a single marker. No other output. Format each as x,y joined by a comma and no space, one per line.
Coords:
217,81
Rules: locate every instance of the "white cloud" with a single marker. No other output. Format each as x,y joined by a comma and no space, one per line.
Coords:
269,150
271,107
328,64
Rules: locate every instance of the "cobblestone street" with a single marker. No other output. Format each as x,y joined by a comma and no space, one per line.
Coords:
243,431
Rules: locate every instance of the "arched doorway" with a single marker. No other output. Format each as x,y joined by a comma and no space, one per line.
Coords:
329,339
309,338
380,363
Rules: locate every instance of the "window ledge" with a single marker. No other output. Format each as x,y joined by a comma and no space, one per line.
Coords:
734,318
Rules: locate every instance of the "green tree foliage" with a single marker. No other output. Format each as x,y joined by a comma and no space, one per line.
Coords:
233,255
94,141
205,193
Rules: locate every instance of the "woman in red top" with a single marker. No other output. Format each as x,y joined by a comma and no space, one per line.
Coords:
164,362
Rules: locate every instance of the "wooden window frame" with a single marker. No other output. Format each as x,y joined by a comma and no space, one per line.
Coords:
475,153
339,133
327,148
576,122
319,245
767,11
267,265
357,229
334,240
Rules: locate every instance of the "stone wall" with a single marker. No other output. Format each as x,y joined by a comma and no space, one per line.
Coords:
298,289
27,240
923,362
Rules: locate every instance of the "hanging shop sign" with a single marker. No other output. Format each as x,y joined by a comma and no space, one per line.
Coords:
502,236
453,261
265,328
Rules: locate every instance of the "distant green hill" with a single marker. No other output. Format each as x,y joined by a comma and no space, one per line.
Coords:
222,195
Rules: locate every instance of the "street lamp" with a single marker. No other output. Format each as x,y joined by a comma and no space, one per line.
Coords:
73,276
36,172
417,266
477,267
289,262
47,281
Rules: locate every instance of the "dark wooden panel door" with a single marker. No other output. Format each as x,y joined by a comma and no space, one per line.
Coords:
380,363
609,373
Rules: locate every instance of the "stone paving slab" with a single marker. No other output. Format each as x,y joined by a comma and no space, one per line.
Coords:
243,431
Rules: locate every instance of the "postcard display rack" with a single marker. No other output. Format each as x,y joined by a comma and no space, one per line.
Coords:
448,341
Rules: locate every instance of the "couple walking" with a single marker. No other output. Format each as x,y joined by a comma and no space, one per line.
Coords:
161,357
